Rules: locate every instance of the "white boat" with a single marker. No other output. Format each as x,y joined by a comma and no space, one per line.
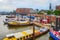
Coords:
8,20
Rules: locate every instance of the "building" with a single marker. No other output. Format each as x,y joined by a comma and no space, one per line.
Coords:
24,10
58,7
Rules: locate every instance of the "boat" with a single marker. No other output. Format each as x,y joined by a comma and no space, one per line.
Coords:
42,25
10,16
19,23
55,30
8,20
55,34
25,34
5,21
45,21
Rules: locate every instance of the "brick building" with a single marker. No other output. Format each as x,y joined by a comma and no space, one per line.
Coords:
58,7
24,10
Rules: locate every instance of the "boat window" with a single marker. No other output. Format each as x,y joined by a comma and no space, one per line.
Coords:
9,37
6,19
12,36
17,39
29,35
22,20
23,37
32,34
26,36
20,38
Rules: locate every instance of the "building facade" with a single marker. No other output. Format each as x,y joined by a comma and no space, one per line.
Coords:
58,7
24,10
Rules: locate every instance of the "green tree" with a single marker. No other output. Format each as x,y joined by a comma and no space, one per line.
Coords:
49,12
39,12
57,12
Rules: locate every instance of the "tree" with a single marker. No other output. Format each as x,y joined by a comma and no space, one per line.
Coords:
57,12
49,12
14,12
39,12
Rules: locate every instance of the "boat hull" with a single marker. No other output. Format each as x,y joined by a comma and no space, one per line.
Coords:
53,36
19,24
38,33
10,16
5,22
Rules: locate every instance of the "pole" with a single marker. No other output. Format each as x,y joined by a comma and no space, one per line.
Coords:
33,32
30,18
59,22
50,20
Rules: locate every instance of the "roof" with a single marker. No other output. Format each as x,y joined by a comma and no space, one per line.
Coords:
21,34
29,31
24,33
18,35
9,35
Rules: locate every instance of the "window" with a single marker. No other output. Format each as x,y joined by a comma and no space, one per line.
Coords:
17,39
23,38
29,35
9,37
26,36
20,38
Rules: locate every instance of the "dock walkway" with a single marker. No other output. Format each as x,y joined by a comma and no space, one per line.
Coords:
42,25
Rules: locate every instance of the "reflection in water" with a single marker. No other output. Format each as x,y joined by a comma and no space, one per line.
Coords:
17,27
4,30
50,38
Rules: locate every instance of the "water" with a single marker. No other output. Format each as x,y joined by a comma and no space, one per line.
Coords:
4,30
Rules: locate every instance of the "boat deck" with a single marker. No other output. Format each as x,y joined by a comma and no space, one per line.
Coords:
42,25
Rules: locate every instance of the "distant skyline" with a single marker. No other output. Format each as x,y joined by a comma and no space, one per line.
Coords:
10,5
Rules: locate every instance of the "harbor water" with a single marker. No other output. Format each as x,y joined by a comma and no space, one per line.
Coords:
4,30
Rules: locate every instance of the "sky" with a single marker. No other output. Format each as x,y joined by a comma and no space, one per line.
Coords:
10,5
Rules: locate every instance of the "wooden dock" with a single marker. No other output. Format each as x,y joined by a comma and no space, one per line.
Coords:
36,23
42,25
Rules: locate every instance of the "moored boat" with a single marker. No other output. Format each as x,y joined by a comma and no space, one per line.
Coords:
19,23
11,16
25,34
8,20
55,30
55,34
45,21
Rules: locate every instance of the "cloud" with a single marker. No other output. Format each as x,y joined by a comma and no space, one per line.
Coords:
55,2
40,4
1,0
7,8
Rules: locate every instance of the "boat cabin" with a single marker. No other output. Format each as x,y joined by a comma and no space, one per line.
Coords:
20,35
